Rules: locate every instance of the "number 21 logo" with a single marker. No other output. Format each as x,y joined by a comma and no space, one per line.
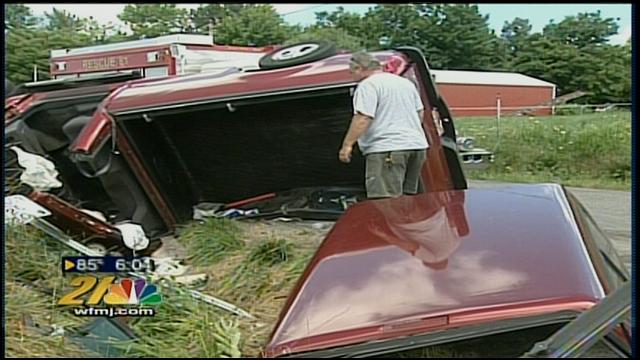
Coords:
126,292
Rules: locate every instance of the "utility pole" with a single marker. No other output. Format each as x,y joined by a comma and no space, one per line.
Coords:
211,29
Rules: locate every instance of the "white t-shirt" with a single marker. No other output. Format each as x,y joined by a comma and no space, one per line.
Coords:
393,102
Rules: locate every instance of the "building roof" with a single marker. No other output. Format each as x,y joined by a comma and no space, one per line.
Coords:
487,78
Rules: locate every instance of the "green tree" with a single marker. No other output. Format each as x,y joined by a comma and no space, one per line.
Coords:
18,16
352,24
392,25
152,20
22,55
63,20
610,72
255,25
451,36
582,30
574,54
207,16
512,38
110,33
603,71
515,33
456,36
27,47
340,37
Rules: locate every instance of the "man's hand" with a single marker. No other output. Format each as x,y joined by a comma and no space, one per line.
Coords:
359,124
345,153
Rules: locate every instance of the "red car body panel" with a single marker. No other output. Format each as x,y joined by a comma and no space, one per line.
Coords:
149,186
193,88
429,262
148,93
13,107
70,218
16,105
13,100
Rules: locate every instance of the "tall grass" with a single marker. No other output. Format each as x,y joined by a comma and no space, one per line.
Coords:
29,321
33,284
185,327
210,241
259,279
592,150
182,326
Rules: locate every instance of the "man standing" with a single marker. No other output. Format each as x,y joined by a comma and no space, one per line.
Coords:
387,124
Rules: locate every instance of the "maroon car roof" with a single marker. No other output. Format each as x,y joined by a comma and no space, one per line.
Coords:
193,88
421,263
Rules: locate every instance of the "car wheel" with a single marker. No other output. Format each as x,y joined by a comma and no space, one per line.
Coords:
297,54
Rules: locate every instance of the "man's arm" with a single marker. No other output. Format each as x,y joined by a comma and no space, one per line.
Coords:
359,124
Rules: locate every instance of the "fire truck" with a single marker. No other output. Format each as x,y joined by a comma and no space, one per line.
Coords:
161,56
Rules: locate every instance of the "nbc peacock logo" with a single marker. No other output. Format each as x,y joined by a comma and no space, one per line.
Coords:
132,292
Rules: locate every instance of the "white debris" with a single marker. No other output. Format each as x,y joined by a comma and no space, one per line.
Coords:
204,210
23,210
95,214
169,267
285,219
133,236
192,279
39,172
58,330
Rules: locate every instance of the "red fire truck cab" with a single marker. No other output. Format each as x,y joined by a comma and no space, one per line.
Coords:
161,56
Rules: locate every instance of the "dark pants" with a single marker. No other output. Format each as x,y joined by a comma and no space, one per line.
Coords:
390,174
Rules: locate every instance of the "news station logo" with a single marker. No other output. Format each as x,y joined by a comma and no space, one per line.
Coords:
93,290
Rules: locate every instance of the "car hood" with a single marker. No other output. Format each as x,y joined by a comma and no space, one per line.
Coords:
416,264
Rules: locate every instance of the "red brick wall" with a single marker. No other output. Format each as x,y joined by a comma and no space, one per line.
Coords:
471,96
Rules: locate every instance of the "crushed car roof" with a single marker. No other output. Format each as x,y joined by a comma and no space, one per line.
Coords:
233,83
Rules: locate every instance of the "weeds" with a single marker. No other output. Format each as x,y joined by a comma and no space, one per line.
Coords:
185,327
591,150
210,241
253,271
33,282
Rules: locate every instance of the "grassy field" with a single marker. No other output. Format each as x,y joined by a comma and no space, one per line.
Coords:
248,264
33,281
591,150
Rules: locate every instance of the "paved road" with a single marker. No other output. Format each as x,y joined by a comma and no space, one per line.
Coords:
610,209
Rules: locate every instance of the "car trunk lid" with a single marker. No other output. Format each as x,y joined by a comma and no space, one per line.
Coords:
416,264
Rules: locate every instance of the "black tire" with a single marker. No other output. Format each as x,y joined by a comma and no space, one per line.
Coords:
303,52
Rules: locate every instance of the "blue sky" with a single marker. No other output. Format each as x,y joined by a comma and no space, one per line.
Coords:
538,14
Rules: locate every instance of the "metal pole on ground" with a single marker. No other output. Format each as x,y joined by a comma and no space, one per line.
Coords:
498,114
